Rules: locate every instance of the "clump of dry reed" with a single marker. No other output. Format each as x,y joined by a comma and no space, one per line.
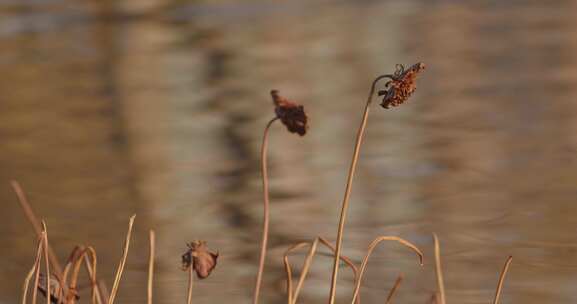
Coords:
60,285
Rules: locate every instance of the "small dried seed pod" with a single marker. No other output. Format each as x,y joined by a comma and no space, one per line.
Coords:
401,85
199,258
291,114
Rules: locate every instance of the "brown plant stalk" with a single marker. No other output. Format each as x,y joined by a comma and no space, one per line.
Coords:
35,269
264,241
439,270
190,282
23,201
394,289
398,80
293,116
372,246
122,263
502,279
152,239
293,295
46,262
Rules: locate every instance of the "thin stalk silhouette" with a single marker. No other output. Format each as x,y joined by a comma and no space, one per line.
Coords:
264,241
345,204
400,87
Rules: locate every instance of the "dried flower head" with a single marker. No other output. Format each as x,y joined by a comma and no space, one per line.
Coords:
199,258
401,85
291,114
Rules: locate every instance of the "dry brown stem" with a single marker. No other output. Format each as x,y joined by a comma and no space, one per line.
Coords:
120,269
152,239
264,242
372,246
502,279
26,207
190,282
348,188
35,269
394,289
293,296
439,270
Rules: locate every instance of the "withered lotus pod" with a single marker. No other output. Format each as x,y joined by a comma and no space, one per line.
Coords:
291,114
199,258
401,85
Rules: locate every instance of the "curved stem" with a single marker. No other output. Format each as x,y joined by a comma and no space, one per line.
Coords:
293,296
122,263
190,282
439,270
370,251
502,279
345,204
263,156
47,262
394,289
152,239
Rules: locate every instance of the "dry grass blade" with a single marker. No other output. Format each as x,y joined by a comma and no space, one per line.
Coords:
120,269
293,296
47,262
305,269
368,255
91,268
103,291
348,188
79,258
288,268
152,240
35,269
190,282
264,241
23,201
343,258
63,293
394,289
439,270
502,279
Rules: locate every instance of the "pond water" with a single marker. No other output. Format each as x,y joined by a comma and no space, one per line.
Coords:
156,108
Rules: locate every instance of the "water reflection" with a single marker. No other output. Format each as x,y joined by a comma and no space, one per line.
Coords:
157,109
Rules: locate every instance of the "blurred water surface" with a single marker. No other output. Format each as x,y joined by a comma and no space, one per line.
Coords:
110,108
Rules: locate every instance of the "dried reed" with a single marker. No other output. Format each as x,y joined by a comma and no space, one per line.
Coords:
372,246
152,240
348,188
120,269
33,270
394,289
293,116
266,219
46,261
502,279
439,270
190,282
293,296
23,201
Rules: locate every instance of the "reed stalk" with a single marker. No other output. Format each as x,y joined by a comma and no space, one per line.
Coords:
35,269
348,188
394,289
439,270
264,241
372,246
190,282
502,279
152,239
122,263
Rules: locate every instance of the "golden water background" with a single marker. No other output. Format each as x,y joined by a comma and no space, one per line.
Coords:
156,107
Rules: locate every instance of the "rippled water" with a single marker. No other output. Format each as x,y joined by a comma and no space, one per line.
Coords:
157,108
